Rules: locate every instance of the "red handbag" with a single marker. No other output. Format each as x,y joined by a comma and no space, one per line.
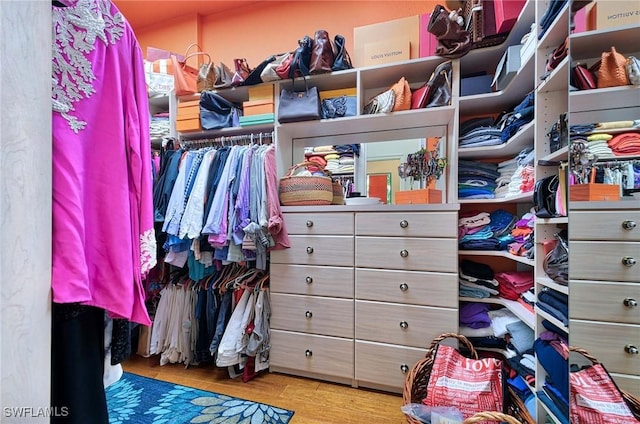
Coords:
282,70
584,78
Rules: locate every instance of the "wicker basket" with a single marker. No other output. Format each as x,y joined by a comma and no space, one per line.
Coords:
417,380
482,417
305,190
632,402
338,193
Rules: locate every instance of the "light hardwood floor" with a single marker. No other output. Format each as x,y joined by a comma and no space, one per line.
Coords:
313,401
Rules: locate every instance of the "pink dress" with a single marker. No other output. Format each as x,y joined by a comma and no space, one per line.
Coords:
103,238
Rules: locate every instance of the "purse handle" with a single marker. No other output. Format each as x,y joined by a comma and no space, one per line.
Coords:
194,55
460,338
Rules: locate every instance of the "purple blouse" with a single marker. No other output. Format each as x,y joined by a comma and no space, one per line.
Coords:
103,238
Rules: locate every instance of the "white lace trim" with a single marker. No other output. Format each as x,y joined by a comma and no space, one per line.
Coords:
75,29
147,251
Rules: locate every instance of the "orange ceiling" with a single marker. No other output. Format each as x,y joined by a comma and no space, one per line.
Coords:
143,13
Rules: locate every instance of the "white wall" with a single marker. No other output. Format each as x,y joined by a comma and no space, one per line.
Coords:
25,208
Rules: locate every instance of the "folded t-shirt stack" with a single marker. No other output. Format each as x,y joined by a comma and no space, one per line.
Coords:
522,234
485,231
479,132
554,303
477,180
513,283
338,159
476,280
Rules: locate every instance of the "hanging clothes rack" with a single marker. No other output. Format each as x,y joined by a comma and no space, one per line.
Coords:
243,139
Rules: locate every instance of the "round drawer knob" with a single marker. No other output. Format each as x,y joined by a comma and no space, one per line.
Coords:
404,253
631,349
309,223
630,303
309,280
309,250
404,368
308,314
404,325
308,353
628,261
404,223
628,225
404,287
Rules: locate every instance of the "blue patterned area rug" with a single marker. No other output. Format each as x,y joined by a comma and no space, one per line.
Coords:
140,400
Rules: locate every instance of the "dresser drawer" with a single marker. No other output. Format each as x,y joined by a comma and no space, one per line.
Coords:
418,254
607,343
313,354
612,302
597,260
316,250
412,287
385,365
613,225
312,280
319,223
309,314
401,324
408,224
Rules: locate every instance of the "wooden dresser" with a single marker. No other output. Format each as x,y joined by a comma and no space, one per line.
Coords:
361,293
604,289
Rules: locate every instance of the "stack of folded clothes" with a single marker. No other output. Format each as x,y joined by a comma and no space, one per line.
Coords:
485,231
552,351
555,304
523,236
479,132
476,280
513,283
477,180
522,114
339,159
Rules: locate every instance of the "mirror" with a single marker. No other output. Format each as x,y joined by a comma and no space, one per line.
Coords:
372,169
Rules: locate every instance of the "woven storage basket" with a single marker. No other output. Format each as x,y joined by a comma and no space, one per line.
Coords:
338,194
305,190
417,380
482,417
632,402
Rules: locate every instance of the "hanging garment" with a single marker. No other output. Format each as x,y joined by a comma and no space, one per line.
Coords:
103,237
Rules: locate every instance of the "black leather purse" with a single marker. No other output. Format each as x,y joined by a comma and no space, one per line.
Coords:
556,263
301,58
544,197
217,112
342,60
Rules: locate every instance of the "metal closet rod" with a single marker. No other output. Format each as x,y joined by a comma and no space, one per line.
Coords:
257,138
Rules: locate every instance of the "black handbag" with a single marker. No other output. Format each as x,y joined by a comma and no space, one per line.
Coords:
301,58
254,77
559,134
342,60
217,112
544,197
298,106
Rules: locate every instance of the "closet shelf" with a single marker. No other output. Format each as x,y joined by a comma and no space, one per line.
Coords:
551,319
520,140
548,282
519,86
617,158
558,80
500,253
226,132
590,44
517,308
377,127
522,197
558,155
553,221
556,33
600,99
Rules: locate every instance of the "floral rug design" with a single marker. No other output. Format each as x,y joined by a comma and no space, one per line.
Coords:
140,400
